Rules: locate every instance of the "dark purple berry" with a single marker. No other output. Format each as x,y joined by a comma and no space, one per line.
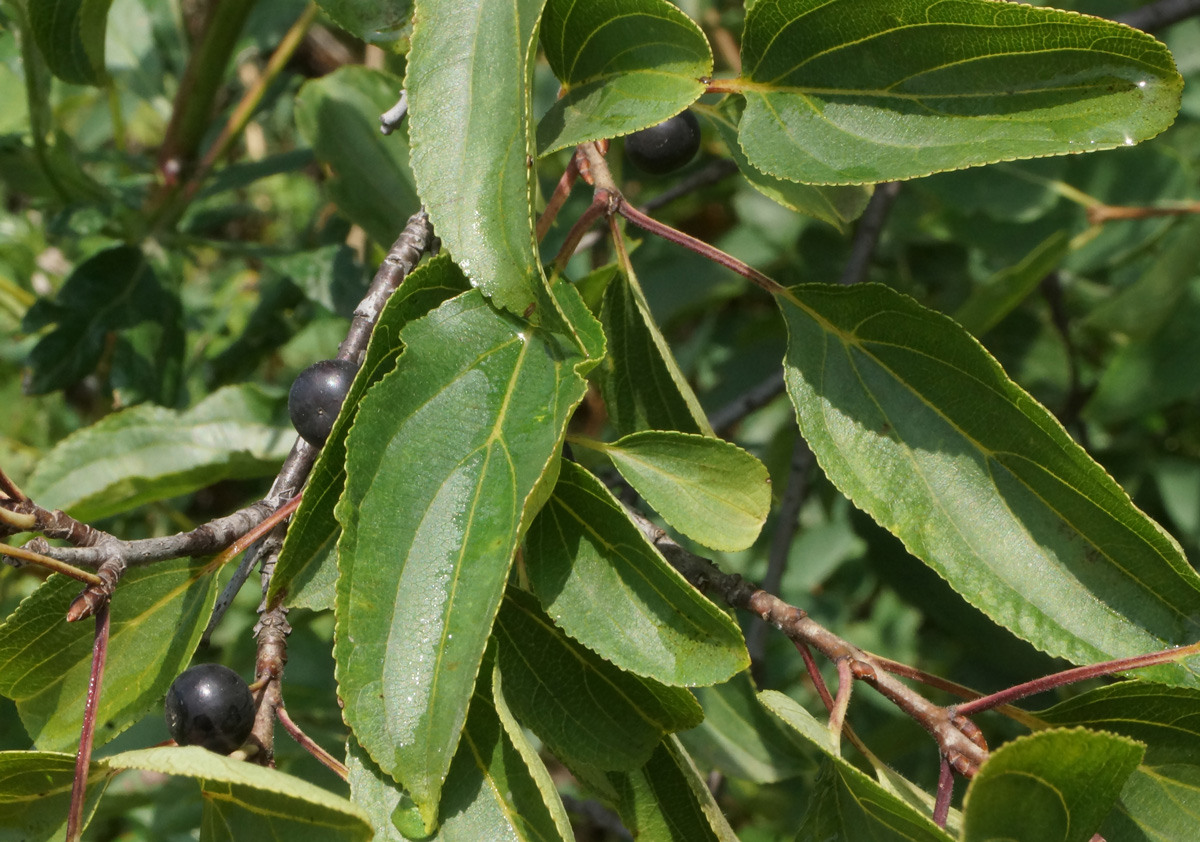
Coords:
316,397
209,705
666,147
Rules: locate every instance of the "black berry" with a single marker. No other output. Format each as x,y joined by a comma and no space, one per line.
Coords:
665,147
209,705
316,396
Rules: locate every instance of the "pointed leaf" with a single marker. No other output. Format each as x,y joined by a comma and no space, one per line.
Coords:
1056,784
307,563
919,426
35,792
469,86
667,800
741,738
709,489
1002,292
842,91
1161,799
585,709
113,290
847,804
624,65
609,588
641,381
247,801
338,115
70,34
45,662
150,453
443,457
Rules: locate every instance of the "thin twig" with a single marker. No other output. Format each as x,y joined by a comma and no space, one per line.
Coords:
841,702
557,199
754,398
83,758
711,173
957,738
866,235
1154,16
391,119
1075,675
29,557
597,209
786,526
310,745
11,489
280,514
945,792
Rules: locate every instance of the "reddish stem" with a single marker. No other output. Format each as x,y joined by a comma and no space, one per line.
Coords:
276,517
310,745
83,759
945,792
1073,676
558,198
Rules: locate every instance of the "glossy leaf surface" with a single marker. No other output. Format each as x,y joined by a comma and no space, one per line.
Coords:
247,801
605,585
846,804
709,489
920,427
444,455
1051,785
307,565
469,80
338,115
150,453
45,662
35,792
847,91
585,709
624,65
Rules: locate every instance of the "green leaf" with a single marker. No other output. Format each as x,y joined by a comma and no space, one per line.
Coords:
469,85
1141,309
642,385
490,792
247,801
45,662
1161,799
35,791
585,709
369,20
847,804
838,206
667,800
741,738
307,563
709,489
149,453
624,65
840,92
920,427
605,585
338,115
385,804
70,34
1051,785
530,754
1154,371
114,290
443,457
1002,292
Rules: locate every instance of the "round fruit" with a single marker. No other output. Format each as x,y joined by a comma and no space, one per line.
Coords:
316,396
665,147
209,705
